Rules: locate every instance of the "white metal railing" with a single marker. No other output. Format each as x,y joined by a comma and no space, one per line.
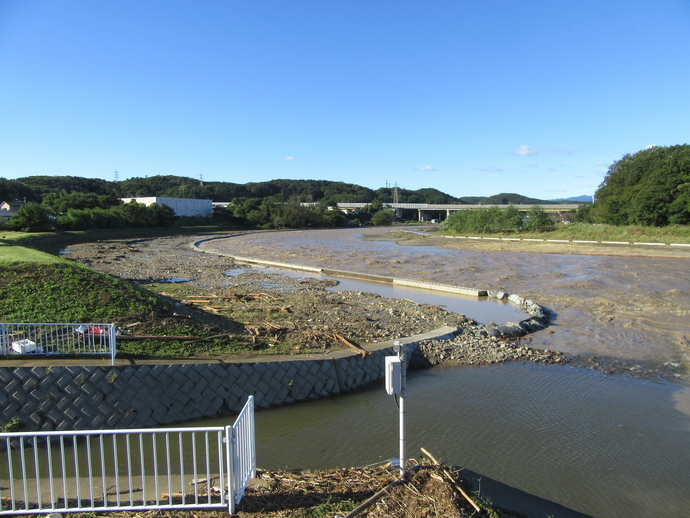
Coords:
43,338
242,465
114,470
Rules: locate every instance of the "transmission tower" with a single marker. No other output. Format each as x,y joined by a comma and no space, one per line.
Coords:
117,175
395,193
201,179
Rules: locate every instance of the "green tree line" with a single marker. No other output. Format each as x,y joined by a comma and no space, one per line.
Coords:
494,220
36,188
649,188
38,217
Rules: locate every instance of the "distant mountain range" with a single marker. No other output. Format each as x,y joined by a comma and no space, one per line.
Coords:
583,198
35,188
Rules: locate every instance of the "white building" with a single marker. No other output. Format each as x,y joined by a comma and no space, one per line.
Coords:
181,206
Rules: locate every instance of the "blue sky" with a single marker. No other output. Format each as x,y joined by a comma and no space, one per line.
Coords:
470,97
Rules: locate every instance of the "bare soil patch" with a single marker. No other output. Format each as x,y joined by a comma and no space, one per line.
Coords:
268,312
277,314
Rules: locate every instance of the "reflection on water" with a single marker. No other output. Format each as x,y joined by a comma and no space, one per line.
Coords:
483,310
604,445
681,400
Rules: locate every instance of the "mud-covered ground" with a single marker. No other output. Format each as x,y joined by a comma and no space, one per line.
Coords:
297,315
626,307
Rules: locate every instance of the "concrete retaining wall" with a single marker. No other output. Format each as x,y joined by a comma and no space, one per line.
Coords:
134,396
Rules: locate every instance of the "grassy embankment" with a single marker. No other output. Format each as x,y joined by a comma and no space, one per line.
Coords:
36,286
600,232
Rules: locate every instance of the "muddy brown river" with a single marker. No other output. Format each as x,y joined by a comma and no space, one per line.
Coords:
606,445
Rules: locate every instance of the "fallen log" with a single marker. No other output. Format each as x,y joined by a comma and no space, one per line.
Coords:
273,327
362,352
224,335
259,296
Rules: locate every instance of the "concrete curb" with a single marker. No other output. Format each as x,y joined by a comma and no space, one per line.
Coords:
538,318
631,243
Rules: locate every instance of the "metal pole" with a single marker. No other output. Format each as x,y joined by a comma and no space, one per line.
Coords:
401,402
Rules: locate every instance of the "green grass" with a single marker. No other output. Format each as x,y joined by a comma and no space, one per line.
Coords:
68,293
12,250
600,232
62,292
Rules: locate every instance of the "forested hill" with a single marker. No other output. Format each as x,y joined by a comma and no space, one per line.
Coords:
504,199
35,188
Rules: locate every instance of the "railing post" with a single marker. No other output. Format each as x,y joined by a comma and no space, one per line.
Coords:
113,344
250,402
230,467
4,343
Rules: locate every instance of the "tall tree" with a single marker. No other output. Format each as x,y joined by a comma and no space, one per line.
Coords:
651,187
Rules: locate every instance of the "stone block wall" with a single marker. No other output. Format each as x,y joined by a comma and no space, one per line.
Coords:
139,396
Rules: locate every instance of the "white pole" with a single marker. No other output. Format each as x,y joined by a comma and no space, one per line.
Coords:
401,400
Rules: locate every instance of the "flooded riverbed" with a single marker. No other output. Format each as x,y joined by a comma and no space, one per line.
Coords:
606,445
626,307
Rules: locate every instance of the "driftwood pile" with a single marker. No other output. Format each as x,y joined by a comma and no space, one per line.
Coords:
262,333
426,490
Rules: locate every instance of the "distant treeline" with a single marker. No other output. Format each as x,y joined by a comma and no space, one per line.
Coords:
75,203
649,188
36,188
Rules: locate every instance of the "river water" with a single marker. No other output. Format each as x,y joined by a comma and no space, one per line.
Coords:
606,445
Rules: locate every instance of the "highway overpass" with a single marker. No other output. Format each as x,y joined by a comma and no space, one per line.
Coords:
429,211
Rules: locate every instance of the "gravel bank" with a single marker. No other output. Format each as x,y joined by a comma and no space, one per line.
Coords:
315,313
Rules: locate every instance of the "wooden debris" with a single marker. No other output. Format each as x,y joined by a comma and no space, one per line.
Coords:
252,330
224,335
373,499
284,309
450,478
125,491
272,326
362,352
259,296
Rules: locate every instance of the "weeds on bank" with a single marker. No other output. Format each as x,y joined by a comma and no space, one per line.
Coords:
62,292
601,232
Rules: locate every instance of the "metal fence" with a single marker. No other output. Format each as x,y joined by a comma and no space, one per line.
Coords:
30,339
114,470
242,456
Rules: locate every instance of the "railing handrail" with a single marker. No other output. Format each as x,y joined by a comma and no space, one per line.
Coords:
56,324
60,336
122,431
45,476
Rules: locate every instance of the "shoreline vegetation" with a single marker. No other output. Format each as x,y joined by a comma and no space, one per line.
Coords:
599,232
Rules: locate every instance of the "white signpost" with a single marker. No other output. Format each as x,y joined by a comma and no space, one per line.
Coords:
396,381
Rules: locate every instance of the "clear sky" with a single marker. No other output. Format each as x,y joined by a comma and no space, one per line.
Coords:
472,97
